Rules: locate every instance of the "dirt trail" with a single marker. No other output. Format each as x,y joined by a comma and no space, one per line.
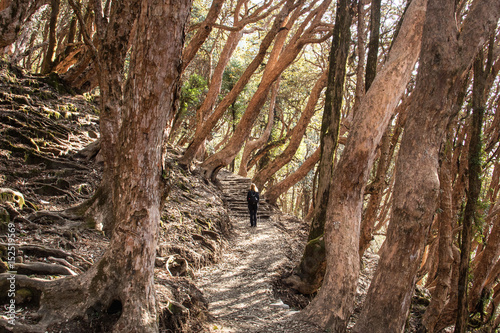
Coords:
239,288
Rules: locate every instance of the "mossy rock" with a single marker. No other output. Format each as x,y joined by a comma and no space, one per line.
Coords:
3,266
177,308
57,83
23,295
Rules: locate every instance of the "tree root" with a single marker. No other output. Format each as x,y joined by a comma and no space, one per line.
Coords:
63,305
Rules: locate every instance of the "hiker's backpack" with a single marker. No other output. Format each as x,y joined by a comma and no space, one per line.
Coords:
253,198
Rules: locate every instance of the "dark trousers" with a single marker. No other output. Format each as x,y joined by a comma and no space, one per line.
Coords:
253,215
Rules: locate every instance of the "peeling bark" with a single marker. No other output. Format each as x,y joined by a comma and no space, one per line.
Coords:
122,281
446,56
445,246
334,303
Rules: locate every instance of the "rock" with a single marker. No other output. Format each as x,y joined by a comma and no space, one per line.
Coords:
4,220
280,305
8,195
23,295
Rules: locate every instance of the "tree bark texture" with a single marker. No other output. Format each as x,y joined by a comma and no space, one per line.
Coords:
239,22
445,59
202,33
308,275
475,171
47,60
123,279
372,58
361,52
13,15
445,239
333,305
114,40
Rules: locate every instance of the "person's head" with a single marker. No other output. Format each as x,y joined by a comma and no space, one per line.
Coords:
254,188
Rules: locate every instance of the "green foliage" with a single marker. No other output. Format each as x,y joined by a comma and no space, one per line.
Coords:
230,77
192,92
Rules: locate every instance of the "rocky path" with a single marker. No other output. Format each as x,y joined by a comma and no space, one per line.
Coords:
239,288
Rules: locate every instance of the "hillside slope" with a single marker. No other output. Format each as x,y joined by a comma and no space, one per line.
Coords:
44,158
43,129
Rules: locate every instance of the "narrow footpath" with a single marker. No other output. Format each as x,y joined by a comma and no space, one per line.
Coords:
239,288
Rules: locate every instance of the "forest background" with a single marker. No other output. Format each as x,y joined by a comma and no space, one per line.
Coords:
375,121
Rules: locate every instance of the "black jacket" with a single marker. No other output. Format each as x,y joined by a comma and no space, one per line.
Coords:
252,193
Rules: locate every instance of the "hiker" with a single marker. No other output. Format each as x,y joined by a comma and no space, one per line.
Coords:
253,201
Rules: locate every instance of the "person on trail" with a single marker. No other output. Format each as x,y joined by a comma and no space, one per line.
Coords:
253,202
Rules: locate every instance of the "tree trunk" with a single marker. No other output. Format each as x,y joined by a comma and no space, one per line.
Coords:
446,56
276,190
202,33
47,60
361,52
204,111
372,58
376,189
13,14
279,22
334,303
122,281
474,163
222,158
253,145
296,137
113,49
445,246
308,275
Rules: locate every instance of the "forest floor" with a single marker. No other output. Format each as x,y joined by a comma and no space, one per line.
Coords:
242,289
213,272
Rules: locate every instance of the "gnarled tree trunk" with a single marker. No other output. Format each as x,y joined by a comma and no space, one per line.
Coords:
121,283
446,57
296,137
308,275
334,303
276,190
211,121
13,14
304,34
445,246
258,143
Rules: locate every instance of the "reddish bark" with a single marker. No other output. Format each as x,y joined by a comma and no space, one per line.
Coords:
445,59
123,279
334,303
211,121
253,145
276,190
305,34
445,254
203,31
